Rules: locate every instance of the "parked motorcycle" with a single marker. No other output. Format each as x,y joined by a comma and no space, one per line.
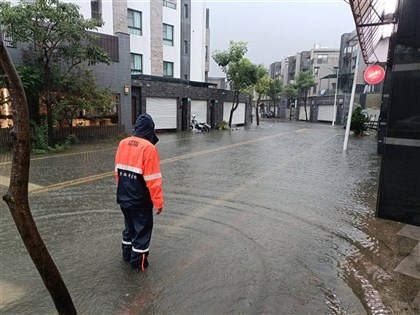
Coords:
195,125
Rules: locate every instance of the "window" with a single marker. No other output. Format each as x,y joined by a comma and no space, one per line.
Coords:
316,69
322,59
186,11
134,22
96,9
169,4
186,48
207,53
136,64
168,35
168,69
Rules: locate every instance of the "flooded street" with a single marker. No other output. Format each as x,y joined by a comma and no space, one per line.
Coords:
274,219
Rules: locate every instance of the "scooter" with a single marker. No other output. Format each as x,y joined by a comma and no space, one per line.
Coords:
195,125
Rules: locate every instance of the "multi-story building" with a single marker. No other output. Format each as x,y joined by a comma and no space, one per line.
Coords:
275,70
323,63
160,52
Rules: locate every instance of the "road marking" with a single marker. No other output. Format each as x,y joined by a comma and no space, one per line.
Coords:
74,182
4,181
52,155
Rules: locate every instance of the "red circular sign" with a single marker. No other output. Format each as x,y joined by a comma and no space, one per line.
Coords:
374,74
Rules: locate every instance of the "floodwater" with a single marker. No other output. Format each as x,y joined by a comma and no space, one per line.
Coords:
266,220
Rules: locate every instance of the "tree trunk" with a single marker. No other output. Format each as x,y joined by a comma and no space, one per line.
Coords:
257,114
17,195
305,101
235,105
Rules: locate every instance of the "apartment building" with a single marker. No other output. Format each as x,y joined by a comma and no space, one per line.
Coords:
163,42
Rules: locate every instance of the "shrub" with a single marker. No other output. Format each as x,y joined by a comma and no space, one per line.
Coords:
222,125
358,121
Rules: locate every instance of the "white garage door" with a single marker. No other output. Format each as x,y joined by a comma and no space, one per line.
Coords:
199,109
163,112
238,115
325,112
302,112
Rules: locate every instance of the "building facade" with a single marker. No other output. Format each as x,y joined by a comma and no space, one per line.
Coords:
155,39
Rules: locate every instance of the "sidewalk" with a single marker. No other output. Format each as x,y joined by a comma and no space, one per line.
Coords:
410,265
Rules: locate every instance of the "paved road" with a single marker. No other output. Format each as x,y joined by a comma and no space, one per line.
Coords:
264,220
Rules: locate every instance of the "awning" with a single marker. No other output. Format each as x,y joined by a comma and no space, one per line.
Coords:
374,24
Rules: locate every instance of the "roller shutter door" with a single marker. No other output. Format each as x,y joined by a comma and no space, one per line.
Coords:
199,109
238,115
302,112
325,112
163,112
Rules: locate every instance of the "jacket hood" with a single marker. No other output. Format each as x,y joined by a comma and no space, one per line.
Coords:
145,128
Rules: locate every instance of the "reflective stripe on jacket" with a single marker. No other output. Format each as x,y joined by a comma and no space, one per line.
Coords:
137,173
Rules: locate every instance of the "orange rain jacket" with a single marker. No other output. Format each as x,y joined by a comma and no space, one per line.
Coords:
138,176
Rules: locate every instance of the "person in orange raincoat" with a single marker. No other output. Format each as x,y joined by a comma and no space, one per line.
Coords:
139,189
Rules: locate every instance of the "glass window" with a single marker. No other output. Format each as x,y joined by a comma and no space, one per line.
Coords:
186,11
96,9
134,22
169,4
136,64
168,69
186,48
168,35
322,59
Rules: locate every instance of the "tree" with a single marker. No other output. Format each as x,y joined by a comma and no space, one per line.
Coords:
304,81
59,40
261,88
79,95
31,82
275,90
16,196
291,93
240,72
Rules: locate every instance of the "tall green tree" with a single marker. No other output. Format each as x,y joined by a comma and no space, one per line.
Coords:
261,88
305,80
291,93
16,196
240,72
275,90
59,40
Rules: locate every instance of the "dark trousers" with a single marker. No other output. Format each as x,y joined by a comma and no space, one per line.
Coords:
136,236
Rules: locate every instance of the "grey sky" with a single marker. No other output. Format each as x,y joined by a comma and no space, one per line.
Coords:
277,28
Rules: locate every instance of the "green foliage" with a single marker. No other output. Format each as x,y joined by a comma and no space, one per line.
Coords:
240,72
56,30
222,125
290,91
263,84
275,88
235,53
59,40
40,141
304,81
39,137
358,121
79,93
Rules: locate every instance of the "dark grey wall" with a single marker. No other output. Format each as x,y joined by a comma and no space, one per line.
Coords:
117,75
399,183
147,86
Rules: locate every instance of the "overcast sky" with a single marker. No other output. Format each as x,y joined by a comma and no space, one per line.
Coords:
275,29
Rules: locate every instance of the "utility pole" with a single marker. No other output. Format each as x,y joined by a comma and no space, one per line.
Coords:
353,91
